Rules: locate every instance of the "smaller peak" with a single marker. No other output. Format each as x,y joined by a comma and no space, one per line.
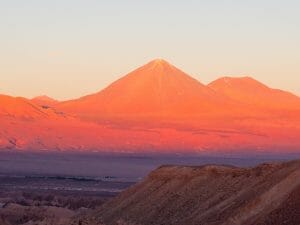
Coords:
243,79
237,78
247,78
43,97
44,100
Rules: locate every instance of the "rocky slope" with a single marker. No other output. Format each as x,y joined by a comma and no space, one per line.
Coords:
210,195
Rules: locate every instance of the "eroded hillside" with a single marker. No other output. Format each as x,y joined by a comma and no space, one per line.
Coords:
210,195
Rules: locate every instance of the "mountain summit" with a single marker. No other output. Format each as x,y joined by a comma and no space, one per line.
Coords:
249,91
44,100
155,89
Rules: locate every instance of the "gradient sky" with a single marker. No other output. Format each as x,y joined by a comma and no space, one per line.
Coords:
69,48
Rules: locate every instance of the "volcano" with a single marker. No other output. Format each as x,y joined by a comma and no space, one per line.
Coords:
249,91
157,108
157,89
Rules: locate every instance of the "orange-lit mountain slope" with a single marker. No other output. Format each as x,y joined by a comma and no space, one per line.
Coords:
158,108
75,135
249,91
18,107
156,89
44,101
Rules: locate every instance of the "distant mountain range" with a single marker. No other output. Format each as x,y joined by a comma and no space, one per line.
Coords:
157,108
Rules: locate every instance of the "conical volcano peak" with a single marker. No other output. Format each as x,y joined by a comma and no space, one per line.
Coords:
156,89
162,69
159,64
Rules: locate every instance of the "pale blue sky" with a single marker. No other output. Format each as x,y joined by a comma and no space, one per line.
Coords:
69,48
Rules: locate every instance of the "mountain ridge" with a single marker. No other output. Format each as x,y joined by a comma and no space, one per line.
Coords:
44,100
157,88
158,108
209,194
250,91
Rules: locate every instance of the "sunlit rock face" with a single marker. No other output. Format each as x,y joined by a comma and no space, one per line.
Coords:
158,108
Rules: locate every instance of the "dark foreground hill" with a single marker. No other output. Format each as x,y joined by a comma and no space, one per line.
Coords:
210,195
